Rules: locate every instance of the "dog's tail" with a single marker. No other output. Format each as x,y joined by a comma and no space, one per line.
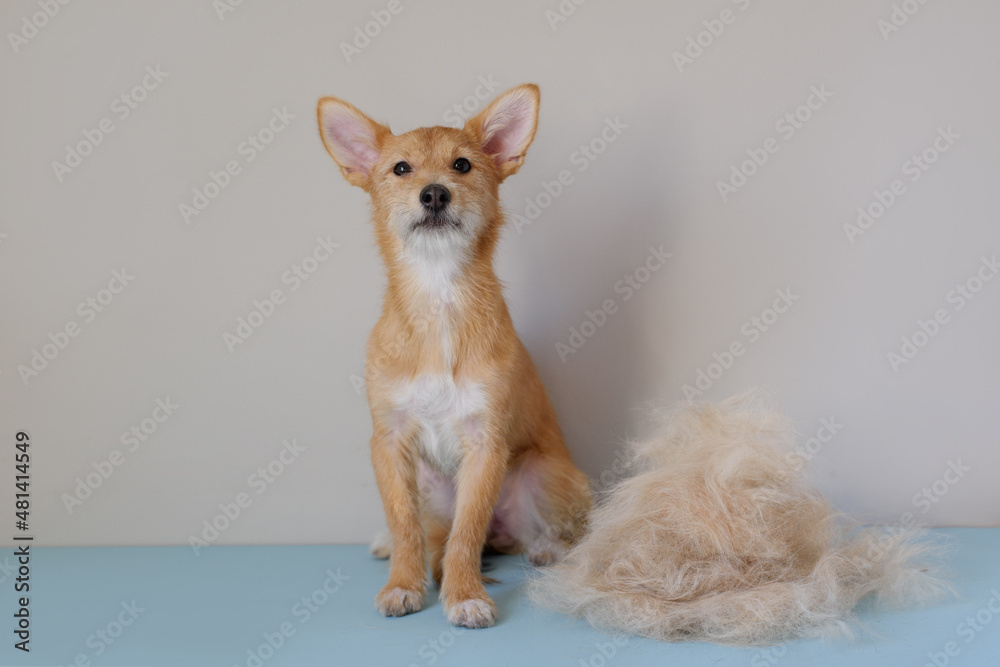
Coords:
717,536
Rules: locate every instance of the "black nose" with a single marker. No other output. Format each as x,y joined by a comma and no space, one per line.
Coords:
435,197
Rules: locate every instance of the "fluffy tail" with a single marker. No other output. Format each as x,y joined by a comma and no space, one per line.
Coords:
718,537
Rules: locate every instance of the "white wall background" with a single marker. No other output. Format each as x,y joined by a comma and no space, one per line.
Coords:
162,336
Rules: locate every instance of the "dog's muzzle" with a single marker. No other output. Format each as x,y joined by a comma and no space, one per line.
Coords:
435,199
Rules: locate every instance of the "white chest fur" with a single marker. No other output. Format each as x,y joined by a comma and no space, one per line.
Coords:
446,412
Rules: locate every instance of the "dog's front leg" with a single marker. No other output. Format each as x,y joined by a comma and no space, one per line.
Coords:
394,460
480,477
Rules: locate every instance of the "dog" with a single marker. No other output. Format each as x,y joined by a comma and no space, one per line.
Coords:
466,448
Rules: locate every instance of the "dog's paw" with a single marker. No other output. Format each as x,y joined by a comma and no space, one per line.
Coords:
398,601
474,613
381,546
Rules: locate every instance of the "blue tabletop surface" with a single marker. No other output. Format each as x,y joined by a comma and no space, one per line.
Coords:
257,606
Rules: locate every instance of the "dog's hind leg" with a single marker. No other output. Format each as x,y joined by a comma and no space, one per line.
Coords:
562,501
381,546
544,505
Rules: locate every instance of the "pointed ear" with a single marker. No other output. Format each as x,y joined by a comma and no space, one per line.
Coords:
353,139
507,126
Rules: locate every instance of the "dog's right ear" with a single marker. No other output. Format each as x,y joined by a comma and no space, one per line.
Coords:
353,139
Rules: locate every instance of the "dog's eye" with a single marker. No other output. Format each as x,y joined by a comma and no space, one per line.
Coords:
402,168
461,165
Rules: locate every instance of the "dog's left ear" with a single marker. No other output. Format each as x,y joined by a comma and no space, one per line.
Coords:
507,126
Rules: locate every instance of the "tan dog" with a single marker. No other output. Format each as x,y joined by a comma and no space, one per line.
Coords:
466,448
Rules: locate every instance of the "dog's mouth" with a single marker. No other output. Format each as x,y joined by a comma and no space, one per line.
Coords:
436,221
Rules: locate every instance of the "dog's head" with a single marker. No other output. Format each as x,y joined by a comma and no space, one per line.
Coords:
435,190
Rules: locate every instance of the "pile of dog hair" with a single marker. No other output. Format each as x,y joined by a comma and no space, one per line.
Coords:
717,537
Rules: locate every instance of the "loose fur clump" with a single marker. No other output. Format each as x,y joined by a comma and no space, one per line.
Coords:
718,537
